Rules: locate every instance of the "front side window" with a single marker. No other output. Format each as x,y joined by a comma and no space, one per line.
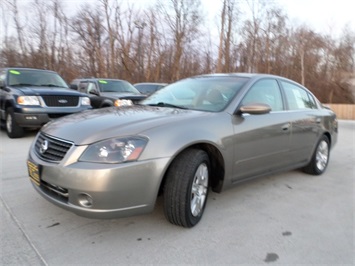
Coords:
265,91
297,97
91,87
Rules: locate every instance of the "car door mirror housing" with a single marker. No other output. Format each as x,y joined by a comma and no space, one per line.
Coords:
2,84
94,91
255,109
74,87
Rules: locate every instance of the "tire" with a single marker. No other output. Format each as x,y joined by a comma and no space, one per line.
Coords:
13,130
186,188
320,158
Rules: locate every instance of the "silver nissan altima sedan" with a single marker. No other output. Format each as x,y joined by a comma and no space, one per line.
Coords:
200,133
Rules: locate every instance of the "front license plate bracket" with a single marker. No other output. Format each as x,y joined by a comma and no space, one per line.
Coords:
34,172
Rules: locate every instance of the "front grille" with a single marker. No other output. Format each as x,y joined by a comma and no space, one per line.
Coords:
51,149
60,101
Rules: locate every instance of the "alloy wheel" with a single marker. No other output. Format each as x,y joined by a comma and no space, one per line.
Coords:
199,190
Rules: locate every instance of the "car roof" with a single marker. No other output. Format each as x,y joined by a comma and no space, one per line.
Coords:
247,75
26,68
95,79
241,74
151,83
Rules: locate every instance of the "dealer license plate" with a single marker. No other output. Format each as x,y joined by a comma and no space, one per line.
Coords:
33,172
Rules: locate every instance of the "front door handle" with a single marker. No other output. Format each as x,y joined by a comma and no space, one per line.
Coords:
286,126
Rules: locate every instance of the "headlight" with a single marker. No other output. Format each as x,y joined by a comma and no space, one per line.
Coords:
116,150
120,102
85,101
28,100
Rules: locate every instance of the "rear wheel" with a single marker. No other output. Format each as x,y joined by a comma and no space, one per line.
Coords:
13,130
320,158
186,188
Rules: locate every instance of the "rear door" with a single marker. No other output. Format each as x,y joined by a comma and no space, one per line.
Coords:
306,121
261,142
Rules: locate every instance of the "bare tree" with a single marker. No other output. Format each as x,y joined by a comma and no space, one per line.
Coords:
88,27
183,19
251,33
222,37
18,26
228,18
166,42
273,42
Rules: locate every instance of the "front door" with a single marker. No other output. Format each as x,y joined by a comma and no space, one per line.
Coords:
261,142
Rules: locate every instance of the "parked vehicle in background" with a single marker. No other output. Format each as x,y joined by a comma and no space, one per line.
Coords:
108,92
209,131
29,98
148,88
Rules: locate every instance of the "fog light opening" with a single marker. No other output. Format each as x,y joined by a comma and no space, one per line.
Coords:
85,200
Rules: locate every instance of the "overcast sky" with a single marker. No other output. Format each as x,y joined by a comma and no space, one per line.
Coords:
323,15
326,16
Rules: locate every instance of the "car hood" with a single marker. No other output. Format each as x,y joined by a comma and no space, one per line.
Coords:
91,126
34,90
123,95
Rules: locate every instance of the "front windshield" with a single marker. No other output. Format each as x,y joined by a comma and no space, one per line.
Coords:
29,77
107,85
209,93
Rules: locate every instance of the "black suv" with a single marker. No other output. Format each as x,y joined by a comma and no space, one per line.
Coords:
29,98
108,92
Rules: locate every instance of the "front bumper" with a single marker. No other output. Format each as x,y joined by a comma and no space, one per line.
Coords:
31,120
35,117
115,190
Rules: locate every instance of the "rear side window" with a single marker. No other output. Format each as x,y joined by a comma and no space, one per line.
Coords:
297,97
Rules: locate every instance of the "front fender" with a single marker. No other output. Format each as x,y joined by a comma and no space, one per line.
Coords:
168,141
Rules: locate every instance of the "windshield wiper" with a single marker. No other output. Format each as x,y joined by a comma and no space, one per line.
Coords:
163,104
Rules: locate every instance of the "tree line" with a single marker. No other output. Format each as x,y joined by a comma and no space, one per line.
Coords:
173,39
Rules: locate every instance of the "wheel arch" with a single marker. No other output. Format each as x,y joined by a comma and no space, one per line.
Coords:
8,103
106,103
216,163
328,135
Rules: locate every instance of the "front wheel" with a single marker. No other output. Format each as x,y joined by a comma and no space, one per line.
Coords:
320,158
186,188
13,130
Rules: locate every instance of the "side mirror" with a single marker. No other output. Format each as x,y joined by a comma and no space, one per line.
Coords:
74,87
255,109
94,91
